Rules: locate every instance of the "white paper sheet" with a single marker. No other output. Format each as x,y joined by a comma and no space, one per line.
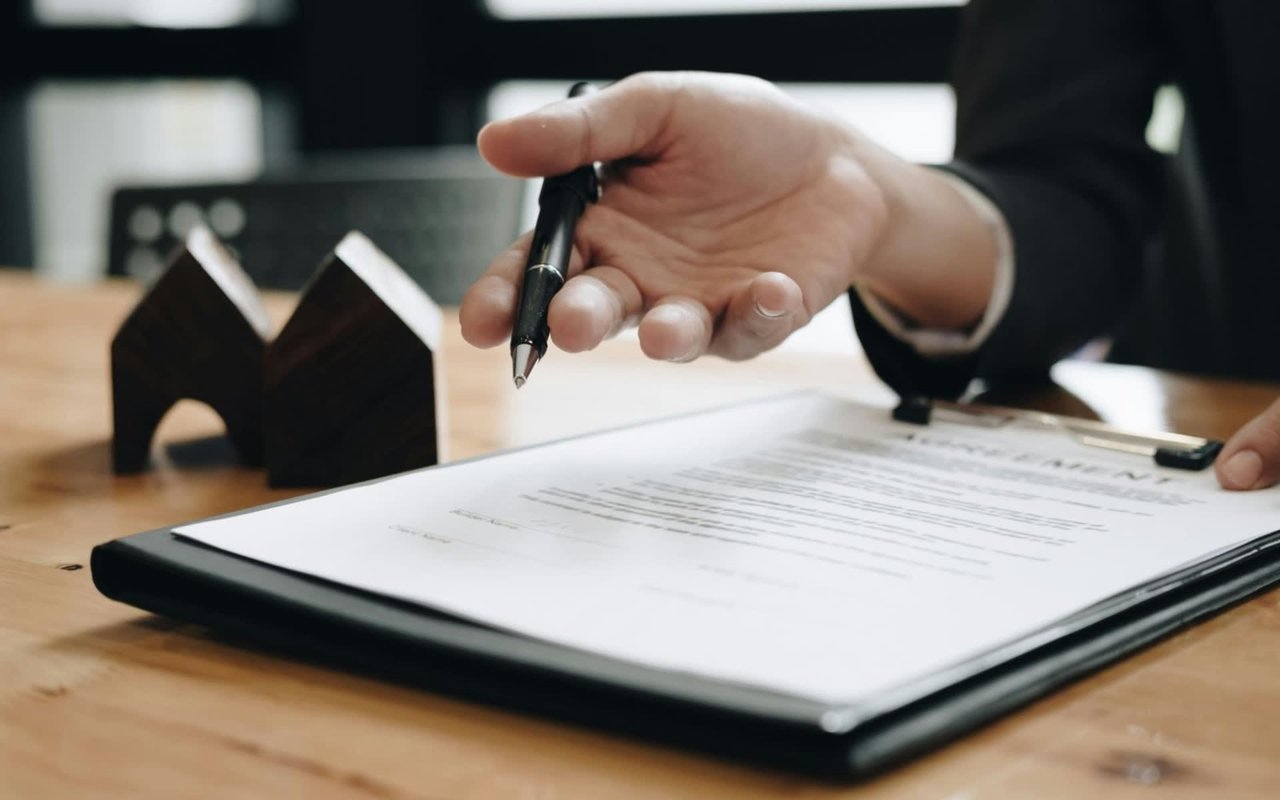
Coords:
806,545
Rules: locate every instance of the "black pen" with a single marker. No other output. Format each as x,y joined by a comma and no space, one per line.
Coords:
560,203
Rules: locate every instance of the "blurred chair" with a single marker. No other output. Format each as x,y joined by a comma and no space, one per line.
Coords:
441,213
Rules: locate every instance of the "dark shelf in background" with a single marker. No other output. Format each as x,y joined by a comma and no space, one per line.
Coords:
458,42
408,73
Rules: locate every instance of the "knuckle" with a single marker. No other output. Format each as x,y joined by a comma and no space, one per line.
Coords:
746,341
651,80
739,349
759,328
654,90
589,133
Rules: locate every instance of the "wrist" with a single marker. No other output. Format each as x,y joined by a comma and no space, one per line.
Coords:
935,258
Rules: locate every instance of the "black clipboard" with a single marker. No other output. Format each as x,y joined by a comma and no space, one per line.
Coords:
318,620
1174,450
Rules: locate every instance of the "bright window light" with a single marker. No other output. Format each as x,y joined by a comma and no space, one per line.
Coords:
158,13
89,137
535,9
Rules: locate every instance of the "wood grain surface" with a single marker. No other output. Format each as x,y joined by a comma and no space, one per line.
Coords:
100,700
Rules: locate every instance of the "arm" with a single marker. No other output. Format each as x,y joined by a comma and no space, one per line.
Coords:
1053,101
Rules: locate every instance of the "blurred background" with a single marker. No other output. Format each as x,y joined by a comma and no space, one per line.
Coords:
282,123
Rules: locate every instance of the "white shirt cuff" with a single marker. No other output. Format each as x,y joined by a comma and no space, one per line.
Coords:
940,342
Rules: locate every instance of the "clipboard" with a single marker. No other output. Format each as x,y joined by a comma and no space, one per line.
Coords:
304,617
1174,450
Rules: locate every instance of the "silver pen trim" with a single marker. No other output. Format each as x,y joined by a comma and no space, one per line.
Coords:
551,267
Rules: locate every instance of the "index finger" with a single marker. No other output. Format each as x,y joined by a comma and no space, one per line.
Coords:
623,120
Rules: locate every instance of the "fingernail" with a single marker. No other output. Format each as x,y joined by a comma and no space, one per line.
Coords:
764,312
1243,469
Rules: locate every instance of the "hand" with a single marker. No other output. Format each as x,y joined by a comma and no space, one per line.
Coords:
730,215
1251,458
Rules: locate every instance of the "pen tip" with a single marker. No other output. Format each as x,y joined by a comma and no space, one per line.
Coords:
523,358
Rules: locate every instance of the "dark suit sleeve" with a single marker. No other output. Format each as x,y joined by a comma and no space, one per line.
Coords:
1053,98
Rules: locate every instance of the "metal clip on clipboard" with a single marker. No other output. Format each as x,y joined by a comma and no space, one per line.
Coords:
1167,449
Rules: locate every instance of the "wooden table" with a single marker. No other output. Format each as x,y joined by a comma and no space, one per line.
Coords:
100,700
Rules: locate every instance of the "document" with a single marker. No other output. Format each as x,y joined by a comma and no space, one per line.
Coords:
805,545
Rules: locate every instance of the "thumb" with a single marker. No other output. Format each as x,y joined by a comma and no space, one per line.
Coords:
623,120
1251,458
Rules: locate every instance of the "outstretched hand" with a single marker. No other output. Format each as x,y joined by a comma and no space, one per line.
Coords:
730,215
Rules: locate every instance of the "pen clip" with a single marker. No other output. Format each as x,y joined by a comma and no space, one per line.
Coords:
1166,449
595,189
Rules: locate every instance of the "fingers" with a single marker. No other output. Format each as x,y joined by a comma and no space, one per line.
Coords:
623,120
676,329
597,303
759,317
592,307
489,305
1251,458
603,300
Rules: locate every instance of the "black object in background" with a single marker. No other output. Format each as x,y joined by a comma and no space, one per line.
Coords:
400,73
441,214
